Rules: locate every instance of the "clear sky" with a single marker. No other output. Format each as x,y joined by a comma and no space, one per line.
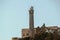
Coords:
14,15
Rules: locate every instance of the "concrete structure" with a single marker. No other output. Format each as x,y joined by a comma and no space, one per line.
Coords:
14,38
31,22
41,29
25,33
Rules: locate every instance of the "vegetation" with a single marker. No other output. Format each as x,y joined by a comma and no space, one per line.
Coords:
47,36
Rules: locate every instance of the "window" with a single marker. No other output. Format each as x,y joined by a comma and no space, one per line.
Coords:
27,34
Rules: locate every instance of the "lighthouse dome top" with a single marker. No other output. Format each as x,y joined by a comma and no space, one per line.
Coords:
31,8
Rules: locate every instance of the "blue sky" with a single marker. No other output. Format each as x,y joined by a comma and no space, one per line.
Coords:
14,15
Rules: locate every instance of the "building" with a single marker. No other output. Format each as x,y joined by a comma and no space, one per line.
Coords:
25,33
31,31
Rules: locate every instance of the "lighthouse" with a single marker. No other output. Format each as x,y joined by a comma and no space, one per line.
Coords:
31,22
